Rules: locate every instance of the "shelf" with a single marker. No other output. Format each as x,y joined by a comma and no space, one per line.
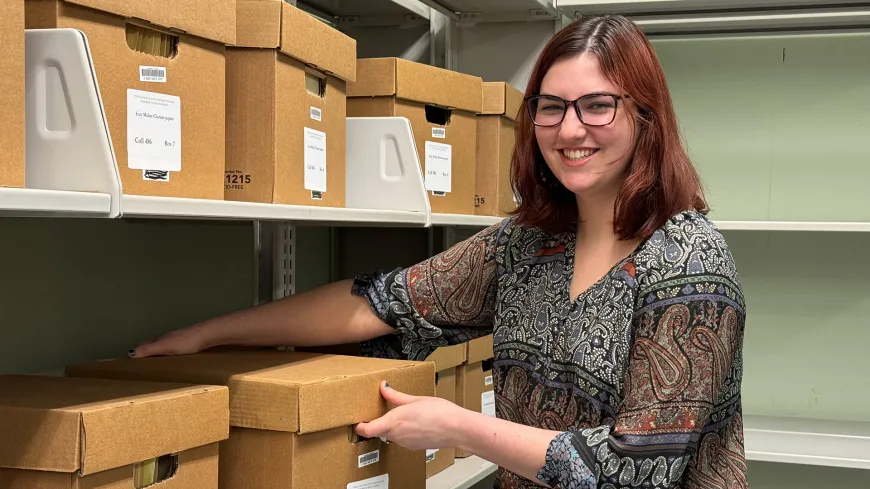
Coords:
464,220
696,17
854,227
163,207
477,11
462,475
807,441
53,203
367,13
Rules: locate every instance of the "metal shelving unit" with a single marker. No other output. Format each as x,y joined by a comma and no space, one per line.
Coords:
367,13
463,474
477,11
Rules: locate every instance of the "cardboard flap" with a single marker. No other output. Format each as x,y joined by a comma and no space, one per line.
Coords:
448,357
209,19
417,82
92,425
309,40
480,349
499,98
258,24
283,391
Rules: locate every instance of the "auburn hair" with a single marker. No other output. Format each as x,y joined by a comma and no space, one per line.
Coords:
660,180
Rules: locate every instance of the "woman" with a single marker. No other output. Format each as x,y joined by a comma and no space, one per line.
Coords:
615,304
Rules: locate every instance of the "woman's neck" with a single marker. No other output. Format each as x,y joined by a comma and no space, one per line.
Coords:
595,219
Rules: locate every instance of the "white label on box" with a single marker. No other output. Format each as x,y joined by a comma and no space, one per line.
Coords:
316,114
439,161
155,74
487,403
155,175
370,458
439,132
315,160
430,455
153,131
488,380
380,482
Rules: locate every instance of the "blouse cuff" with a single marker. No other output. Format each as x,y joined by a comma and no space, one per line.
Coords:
374,288
564,468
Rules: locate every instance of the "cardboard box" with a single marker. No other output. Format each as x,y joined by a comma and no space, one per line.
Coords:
160,65
496,138
446,360
12,87
91,433
286,107
474,383
292,414
442,107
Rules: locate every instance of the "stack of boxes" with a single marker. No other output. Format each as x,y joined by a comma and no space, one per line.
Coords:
12,89
474,383
247,100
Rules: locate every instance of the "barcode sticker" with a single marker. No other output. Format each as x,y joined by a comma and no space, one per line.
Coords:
370,458
439,132
379,482
487,403
155,74
316,114
488,380
430,455
439,162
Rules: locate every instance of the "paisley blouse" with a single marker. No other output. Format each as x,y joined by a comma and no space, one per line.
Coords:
641,373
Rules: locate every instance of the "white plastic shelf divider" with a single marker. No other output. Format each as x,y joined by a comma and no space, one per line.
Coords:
476,11
853,227
68,143
22,202
807,441
464,220
462,475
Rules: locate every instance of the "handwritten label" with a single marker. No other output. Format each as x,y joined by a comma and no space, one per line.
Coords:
153,131
315,160
439,163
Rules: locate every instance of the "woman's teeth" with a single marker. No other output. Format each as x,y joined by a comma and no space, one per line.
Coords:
578,154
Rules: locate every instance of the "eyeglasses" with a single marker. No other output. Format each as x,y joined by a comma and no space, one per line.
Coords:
594,109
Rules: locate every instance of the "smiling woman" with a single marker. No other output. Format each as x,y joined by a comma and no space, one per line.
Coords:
615,306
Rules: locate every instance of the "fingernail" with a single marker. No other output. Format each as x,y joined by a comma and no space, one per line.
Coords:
131,353
387,385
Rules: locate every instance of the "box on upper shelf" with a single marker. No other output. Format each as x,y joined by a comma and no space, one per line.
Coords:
474,383
496,138
286,107
79,433
292,414
12,138
442,106
161,69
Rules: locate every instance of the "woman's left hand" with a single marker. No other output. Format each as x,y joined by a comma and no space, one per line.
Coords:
415,423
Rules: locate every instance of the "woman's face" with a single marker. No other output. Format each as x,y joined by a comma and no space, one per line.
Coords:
586,160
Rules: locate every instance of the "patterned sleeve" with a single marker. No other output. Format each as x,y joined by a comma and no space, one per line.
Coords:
446,300
679,422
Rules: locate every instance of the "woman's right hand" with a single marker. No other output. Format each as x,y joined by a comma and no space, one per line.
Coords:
184,341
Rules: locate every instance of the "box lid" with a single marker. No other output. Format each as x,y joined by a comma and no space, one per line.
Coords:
283,391
279,25
407,80
499,98
90,425
480,349
447,357
209,19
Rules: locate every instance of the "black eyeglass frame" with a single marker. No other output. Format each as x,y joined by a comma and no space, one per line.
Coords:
569,103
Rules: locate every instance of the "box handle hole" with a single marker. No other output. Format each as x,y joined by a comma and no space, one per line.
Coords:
154,471
151,41
315,85
438,115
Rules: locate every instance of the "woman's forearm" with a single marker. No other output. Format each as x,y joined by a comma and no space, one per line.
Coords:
328,315
518,448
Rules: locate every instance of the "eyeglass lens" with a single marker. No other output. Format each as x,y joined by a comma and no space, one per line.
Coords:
595,110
